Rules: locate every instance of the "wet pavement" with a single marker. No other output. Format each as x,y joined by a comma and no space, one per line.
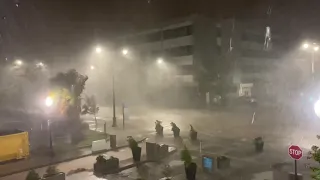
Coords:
280,126
227,132
231,132
124,155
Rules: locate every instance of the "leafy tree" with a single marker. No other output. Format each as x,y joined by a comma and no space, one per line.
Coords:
74,82
33,175
315,155
190,167
90,107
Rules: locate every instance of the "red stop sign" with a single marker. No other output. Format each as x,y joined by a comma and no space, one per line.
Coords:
295,152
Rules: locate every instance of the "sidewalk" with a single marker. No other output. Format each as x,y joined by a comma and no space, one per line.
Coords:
41,161
124,156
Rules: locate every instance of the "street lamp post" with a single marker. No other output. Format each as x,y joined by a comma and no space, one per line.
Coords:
315,48
312,65
49,103
50,136
114,119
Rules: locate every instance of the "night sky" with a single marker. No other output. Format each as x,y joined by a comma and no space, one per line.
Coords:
56,25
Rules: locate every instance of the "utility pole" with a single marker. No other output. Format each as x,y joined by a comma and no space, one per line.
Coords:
123,116
312,65
114,119
50,138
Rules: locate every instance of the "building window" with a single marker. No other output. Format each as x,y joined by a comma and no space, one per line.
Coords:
153,37
179,51
177,32
136,39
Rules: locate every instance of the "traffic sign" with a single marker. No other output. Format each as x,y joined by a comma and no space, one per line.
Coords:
295,152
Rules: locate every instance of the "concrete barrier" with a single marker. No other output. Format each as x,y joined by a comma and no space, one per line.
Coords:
99,146
113,141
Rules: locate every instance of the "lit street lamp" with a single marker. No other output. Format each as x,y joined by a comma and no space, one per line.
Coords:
49,103
317,108
114,119
98,49
159,60
125,52
92,67
18,62
315,48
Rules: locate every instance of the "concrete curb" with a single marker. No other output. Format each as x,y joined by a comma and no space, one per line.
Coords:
64,160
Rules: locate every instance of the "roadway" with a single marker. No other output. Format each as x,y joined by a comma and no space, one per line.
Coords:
283,126
279,127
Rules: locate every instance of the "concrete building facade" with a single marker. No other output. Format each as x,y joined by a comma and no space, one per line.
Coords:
212,55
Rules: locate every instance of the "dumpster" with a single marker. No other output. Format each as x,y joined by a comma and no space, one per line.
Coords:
14,145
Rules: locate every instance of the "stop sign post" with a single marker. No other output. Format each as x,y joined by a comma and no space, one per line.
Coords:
295,153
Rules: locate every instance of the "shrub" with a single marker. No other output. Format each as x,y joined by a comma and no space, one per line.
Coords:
314,154
33,175
258,140
259,143
189,166
51,171
185,156
101,159
192,129
132,142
